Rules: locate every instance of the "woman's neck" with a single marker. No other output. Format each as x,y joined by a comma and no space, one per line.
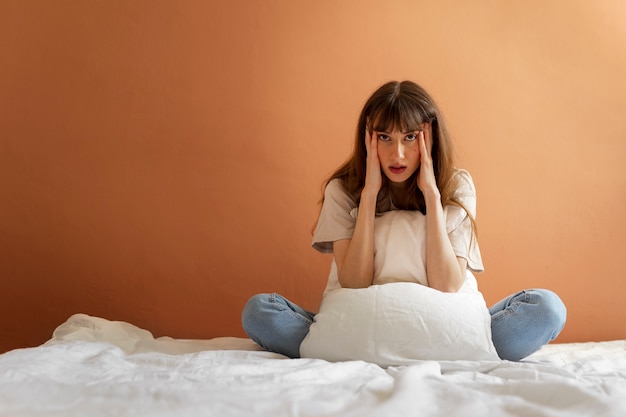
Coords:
398,188
397,192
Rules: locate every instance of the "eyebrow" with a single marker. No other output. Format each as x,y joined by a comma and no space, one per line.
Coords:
388,133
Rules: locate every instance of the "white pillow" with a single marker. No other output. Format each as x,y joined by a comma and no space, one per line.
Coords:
400,323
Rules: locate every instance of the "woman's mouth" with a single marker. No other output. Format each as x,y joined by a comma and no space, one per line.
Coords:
397,169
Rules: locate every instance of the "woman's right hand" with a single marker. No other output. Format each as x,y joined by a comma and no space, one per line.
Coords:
355,257
373,174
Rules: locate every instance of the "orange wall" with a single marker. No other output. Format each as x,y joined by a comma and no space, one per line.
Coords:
161,161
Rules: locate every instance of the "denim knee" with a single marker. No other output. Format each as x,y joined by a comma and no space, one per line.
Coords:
553,310
252,318
524,322
276,324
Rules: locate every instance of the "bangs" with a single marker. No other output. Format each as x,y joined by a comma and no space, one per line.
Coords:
398,114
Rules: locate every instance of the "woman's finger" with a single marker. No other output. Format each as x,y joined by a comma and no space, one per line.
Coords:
423,148
374,143
429,138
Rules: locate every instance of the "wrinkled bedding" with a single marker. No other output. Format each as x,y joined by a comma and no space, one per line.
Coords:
95,367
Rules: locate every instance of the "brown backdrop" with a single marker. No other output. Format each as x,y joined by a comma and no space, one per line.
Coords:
161,161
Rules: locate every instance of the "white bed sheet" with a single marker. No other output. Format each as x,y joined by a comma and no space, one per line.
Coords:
96,367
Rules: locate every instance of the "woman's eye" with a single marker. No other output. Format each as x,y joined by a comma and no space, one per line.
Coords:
383,137
412,136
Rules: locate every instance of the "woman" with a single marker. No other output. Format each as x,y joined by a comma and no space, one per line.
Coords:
403,160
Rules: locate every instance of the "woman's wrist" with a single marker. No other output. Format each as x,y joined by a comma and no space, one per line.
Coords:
432,195
369,195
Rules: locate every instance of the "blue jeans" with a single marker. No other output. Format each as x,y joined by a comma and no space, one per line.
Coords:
520,324
524,322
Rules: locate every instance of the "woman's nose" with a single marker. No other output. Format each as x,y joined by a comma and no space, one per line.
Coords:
400,150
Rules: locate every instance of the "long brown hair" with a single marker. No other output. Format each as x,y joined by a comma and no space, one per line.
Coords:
402,106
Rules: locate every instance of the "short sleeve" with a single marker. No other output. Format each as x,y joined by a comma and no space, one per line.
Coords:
337,217
459,224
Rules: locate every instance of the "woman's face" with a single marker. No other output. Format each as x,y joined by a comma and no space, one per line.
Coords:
399,154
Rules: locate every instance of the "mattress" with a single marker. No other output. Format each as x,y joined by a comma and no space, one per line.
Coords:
95,367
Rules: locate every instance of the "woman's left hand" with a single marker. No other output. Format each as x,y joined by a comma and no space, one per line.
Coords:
426,177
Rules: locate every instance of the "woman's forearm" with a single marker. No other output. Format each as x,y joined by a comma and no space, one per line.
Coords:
442,267
356,268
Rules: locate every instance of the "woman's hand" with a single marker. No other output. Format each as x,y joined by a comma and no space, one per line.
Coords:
445,272
373,174
355,257
426,177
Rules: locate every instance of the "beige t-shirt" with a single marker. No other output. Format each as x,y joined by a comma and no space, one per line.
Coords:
399,235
